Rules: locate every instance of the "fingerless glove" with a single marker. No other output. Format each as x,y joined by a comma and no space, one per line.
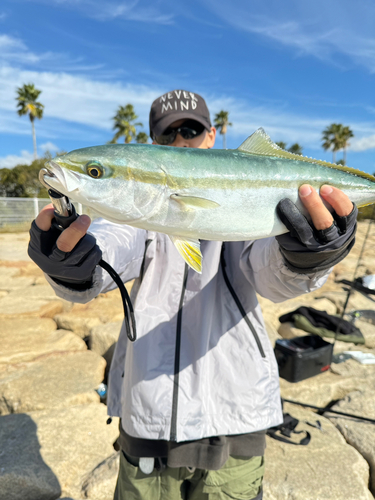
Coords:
308,250
73,269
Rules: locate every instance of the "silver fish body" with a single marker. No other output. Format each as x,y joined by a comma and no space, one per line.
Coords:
193,194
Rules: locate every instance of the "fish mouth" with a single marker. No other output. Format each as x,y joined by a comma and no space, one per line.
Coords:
45,174
54,177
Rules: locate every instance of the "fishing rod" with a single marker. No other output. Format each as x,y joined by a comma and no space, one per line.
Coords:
327,410
64,214
351,286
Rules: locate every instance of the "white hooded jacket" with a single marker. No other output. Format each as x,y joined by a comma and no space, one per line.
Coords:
198,368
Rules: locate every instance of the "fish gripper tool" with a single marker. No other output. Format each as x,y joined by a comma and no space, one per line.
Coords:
64,214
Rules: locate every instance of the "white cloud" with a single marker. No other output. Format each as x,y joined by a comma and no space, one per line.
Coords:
49,146
363,144
321,29
76,98
72,101
14,49
145,11
280,125
10,161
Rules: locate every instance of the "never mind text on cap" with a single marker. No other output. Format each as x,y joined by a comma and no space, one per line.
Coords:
177,105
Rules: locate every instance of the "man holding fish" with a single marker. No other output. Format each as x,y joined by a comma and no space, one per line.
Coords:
199,387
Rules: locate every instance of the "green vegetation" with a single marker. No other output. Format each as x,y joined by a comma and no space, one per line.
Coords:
335,138
366,212
142,138
23,180
123,123
294,148
27,104
222,123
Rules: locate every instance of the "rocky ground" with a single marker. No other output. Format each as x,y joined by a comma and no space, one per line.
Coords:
54,439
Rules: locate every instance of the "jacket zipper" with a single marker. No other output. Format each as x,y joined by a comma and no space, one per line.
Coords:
238,303
173,436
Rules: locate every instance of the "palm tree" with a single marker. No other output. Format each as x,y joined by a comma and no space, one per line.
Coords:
142,138
296,149
281,144
346,134
123,123
332,139
336,137
28,105
222,123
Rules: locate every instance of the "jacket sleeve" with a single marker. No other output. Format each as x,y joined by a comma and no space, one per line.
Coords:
123,248
263,265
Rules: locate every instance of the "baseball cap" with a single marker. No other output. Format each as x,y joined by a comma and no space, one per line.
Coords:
177,105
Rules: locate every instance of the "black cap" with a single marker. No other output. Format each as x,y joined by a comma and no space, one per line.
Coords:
177,105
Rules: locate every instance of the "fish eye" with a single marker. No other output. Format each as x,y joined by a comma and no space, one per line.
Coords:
94,169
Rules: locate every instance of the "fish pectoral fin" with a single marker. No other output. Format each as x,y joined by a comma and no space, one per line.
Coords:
190,202
190,251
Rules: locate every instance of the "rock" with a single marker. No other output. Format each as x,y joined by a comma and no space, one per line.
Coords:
13,246
27,345
101,482
9,282
356,300
28,300
23,472
12,304
80,324
51,309
84,317
53,380
50,454
272,333
27,325
102,337
326,468
332,385
359,434
368,331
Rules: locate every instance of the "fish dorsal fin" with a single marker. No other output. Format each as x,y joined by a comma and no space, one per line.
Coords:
259,143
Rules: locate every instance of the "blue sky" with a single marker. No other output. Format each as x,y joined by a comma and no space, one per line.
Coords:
291,67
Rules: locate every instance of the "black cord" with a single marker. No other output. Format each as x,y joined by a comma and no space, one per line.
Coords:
62,206
126,302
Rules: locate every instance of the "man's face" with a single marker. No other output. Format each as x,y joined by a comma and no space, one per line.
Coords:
205,140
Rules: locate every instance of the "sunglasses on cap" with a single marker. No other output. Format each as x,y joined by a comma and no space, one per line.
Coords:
190,129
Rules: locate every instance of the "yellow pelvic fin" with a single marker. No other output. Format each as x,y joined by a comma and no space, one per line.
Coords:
260,143
190,251
190,202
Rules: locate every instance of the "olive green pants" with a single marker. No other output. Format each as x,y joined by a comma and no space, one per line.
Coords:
239,479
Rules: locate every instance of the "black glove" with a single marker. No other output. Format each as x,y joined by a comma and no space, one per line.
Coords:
306,249
73,269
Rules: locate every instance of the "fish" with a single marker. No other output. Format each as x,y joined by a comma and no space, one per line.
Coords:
198,194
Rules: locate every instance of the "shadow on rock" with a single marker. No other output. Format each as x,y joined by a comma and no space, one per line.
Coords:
23,472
